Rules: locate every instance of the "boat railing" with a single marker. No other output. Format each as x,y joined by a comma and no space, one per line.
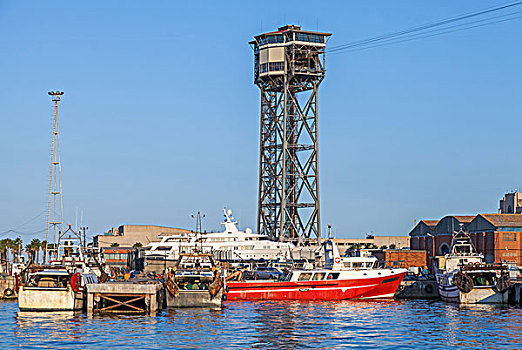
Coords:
484,266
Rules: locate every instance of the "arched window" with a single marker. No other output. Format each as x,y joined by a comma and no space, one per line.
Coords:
444,249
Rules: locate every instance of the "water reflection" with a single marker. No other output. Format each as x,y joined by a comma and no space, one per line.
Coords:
282,325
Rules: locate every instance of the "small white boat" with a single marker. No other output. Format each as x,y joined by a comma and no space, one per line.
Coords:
467,279
59,286
54,290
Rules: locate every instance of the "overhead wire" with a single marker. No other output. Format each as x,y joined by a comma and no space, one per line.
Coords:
427,35
424,29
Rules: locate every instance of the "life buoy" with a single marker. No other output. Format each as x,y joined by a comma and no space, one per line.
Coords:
428,288
8,292
224,297
75,282
337,260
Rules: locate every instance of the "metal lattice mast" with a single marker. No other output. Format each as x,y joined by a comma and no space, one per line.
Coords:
55,218
289,65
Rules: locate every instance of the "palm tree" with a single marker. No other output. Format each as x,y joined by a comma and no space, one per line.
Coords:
4,253
14,246
32,250
43,246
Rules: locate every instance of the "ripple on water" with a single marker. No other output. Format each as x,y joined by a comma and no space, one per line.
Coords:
281,325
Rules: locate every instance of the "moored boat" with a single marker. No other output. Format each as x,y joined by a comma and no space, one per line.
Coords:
467,279
341,278
194,281
54,290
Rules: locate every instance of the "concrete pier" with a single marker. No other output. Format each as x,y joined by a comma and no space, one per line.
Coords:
136,297
515,294
421,289
8,287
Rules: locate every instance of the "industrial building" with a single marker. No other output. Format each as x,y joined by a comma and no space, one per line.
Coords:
511,203
496,236
130,235
375,242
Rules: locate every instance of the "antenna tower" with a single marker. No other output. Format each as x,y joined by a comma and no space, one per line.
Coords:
55,208
289,66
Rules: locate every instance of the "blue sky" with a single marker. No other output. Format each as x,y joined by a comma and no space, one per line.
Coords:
160,117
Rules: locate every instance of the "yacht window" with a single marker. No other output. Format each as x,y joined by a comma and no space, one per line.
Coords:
333,276
305,276
318,276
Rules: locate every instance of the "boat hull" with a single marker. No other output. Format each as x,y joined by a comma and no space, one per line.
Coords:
342,289
194,298
49,299
481,295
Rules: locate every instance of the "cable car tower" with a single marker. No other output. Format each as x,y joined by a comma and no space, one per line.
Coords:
289,66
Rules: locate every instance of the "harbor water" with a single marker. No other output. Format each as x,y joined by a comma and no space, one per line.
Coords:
273,325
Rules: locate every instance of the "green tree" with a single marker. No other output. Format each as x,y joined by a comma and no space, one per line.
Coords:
33,249
137,245
15,246
393,246
4,253
384,247
43,246
114,245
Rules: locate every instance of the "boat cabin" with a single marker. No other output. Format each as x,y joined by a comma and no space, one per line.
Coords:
48,279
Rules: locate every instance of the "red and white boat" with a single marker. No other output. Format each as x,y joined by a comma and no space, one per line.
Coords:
341,278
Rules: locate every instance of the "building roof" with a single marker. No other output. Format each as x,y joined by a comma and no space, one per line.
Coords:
430,223
464,218
504,220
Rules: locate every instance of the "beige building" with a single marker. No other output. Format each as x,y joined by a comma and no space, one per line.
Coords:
128,235
398,242
511,203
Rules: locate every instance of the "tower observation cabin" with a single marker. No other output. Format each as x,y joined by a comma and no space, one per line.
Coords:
289,65
289,51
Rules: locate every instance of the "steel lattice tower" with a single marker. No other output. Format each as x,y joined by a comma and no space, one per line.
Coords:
55,208
289,66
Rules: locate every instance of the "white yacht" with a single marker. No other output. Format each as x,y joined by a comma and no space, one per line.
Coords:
231,244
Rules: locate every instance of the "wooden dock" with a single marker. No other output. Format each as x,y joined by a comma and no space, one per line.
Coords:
135,297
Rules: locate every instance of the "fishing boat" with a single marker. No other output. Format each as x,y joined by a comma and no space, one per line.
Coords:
467,279
59,285
54,290
194,281
340,278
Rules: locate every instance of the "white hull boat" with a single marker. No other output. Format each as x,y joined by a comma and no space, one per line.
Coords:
467,279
